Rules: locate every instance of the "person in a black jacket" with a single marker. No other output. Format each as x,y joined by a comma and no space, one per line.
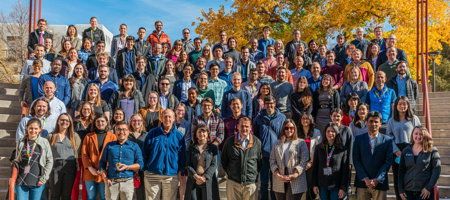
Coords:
126,59
420,167
241,159
301,99
403,84
94,33
331,166
202,166
38,36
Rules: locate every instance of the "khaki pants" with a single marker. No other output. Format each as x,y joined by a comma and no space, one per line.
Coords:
160,187
120,190
367,193
237,191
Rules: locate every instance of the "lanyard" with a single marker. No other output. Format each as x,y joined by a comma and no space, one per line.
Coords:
329,155
29,153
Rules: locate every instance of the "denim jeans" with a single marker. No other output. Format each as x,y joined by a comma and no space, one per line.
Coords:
93,188
29,192
329,194
265,178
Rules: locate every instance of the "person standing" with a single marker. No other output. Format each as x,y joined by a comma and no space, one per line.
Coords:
33,162
92,148
420,167
64,144
118,41
288,163
237,92
372,158
241,159
282,89
381,98
38,36
93,32
267,127
158,36
331,167
164,158
202,165
120,160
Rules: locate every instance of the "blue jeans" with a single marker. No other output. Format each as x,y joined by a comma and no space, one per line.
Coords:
265,177
329,194
93,188
29,192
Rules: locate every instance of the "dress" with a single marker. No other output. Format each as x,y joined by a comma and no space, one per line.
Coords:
324,111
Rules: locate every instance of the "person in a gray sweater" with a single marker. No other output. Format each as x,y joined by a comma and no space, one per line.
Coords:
282,89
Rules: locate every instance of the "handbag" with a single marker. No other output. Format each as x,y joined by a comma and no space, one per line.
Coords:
136,181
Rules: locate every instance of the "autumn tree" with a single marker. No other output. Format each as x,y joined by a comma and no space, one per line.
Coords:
322,19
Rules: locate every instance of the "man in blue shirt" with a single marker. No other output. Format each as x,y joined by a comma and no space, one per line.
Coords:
404,85
315,80
164,158
120,160
381,98
265,41
62,92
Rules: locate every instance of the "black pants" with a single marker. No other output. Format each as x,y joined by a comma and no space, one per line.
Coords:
139,193
416,195
395,167
62,178
310,195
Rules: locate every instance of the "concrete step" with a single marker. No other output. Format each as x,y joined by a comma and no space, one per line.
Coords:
440,133
8,133
441,141
437,118
9,91
9,125
435,94
6,152
10,118
440,126
434,111
15,110
8,142
10,103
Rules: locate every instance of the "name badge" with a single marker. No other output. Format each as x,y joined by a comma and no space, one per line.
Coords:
26,170
327,171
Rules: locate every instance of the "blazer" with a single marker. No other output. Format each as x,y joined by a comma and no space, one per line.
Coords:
25,90
298,157
412,89
372,165
156,67
121,62
211,152
90,154
33,39
144,49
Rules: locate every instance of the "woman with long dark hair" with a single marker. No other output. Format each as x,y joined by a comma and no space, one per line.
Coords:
420,167
78,82
349,108
331,166
152,112
86,50
358,124
64,143
94,97
312,137
28,90
202,165
130,99
288,160
325,100
33,162
301,99
400,128
91,150
72,36
258,101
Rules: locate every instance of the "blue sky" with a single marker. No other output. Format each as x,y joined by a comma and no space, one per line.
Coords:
176,14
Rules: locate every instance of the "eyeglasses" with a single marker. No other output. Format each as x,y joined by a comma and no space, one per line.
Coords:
186,33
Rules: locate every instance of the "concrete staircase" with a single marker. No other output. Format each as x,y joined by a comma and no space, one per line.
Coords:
9,119
440,117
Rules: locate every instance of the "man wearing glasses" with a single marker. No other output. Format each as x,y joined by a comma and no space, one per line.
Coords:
188,45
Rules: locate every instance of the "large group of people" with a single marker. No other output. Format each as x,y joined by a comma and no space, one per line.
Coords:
152,119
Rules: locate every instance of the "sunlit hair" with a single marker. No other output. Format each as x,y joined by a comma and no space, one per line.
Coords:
137,129
34,104
89,118
98,99
329,88
31,121
70,133
283,130
427,141
306,98
408,115
128,78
